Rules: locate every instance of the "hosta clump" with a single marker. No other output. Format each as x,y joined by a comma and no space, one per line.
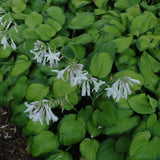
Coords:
54,54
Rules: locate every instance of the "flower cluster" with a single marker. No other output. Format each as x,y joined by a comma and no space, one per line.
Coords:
77,76
43,54
5,22
121,88
39,110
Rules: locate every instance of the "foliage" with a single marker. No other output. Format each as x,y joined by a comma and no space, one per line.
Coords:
95,65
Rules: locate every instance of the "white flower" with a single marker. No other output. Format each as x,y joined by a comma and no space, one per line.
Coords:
97,84
13,45
4,42
43,54
78,77
121,88
52,58
39,110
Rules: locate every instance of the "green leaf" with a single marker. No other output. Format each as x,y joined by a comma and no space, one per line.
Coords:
151,80
143,23
71,129
111,29
105,115
20,119
81,21
5,53
43,143
134,11
142,104
21,65
17,37
122,144
45,32
107,151
34,128
122,126
88,148
153,125
54,24
123,43
33,19
36,91
62,88
60,155
144,147
92,129
59,41
79,3
56,13
122,4
147,41
18,6
82,39
101,3
19,90
101,65
86,112
30,33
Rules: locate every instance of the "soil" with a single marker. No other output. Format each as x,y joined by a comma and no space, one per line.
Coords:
13,145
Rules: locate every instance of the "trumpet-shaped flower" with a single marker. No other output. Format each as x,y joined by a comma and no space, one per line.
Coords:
39,110
121,88
43,54
77,77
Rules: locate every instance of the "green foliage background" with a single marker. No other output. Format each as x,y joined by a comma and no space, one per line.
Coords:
111,38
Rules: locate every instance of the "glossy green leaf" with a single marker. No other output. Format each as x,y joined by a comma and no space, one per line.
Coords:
62,88
101,3
36,91
111,29
123,44
122,4
56,13
18,6
19,90
143,104
79,3
59,41
81,21
60,155
151,80
101,65
88,148
146,42
34,128
43,143
30,33
122,126
71,129
107,151
33,19
45,32
122,144
92,129
143,23
54,24
105,115
86,112
21,65
144,147
5,53
153,125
